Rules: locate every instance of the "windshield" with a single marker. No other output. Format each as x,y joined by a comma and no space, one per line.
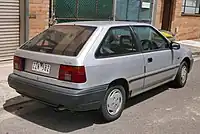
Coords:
61,40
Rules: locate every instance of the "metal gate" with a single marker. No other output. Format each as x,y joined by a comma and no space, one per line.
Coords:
122,10
9,28
73,10
134,10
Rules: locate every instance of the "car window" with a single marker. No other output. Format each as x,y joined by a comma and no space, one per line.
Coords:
61,40
118,40
150,39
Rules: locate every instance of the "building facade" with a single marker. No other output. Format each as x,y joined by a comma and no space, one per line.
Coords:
19,21
12,34
182,17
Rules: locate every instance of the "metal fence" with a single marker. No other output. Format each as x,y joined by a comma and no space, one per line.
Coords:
72,10
129,10
134,10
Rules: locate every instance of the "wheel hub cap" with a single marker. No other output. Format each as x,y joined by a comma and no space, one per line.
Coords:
183,74
114,102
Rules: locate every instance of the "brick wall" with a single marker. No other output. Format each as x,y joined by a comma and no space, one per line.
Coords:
188,26
38,16
159,11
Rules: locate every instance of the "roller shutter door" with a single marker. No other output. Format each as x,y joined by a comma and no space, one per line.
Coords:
9,28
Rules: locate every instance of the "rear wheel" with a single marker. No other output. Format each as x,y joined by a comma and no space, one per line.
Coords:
113,103
181,77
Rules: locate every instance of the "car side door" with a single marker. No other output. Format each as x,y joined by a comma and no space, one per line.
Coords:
158,56
119,56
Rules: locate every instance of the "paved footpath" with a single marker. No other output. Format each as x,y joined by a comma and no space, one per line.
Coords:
5,91
194,46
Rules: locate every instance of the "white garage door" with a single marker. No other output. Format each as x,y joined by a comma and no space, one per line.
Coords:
9,28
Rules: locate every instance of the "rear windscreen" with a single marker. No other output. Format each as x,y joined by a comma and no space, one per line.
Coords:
61,40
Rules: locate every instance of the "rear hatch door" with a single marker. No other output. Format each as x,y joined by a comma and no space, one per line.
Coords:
58,45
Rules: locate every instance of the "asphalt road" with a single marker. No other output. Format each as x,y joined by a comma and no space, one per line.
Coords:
160,111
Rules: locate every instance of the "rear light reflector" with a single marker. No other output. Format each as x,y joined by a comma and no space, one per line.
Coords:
18,63
74,74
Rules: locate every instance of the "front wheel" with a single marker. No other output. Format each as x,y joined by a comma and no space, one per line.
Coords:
181,77
113,103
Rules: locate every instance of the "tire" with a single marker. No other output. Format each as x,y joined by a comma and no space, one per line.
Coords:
106,107
182,75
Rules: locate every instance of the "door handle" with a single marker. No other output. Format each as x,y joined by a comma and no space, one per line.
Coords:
150,60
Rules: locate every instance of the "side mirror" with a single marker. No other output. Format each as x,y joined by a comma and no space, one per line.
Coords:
175,46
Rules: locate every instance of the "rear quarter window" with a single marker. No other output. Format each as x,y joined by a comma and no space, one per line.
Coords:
60,40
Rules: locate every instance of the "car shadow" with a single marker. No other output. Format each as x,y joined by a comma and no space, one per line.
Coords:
146,95
65,121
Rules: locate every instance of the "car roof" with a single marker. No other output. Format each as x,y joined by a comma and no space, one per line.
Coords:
103,23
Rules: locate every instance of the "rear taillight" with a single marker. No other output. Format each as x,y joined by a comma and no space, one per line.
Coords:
18,63
72,74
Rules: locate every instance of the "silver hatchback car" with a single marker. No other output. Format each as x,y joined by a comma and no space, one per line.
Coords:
97,65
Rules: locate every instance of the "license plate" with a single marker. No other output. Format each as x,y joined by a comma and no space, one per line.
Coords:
41,67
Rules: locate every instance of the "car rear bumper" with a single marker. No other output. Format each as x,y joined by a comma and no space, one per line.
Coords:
71,99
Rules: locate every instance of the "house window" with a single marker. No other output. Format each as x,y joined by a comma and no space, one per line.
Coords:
191,7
